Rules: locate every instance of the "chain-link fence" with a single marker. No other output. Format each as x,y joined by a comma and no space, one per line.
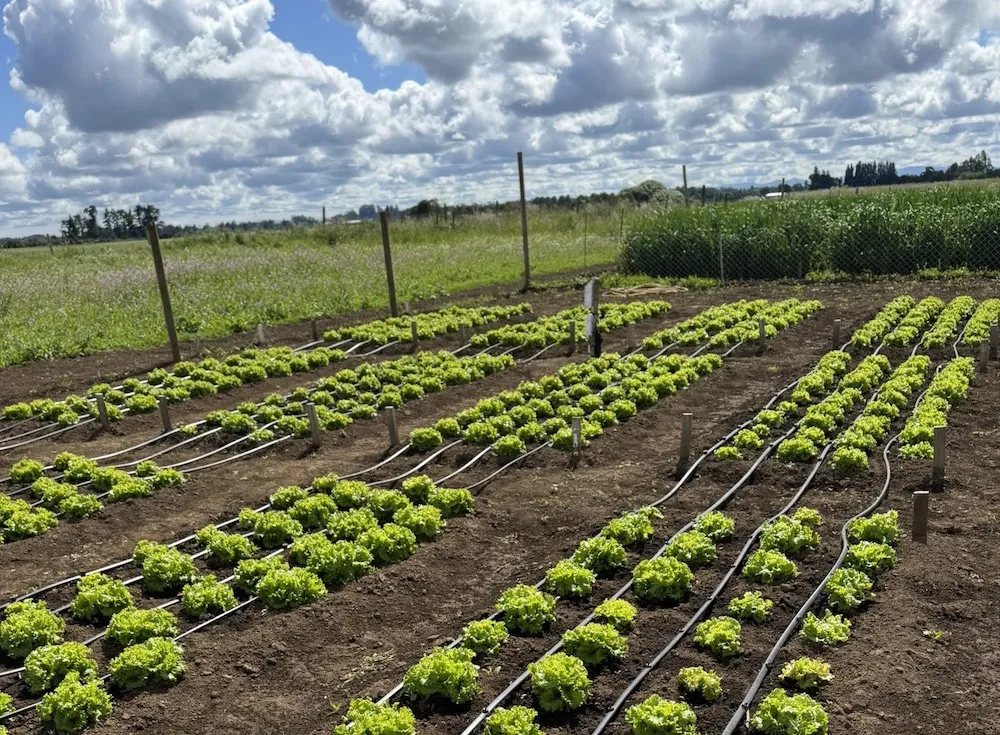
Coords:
896,233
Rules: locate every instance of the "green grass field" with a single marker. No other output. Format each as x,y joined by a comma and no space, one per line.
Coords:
101,297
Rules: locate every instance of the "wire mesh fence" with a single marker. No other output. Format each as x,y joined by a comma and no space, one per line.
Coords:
909,232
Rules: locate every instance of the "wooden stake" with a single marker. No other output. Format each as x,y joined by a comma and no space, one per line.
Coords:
313,424
572,337
102,412
387,252
524,222
761,336
413,333
685,453
260,334
393,427
921,509
621,226
937,473
197,344
630,339
161,279
463,336
577,424
165,415
584,239
314,330
684,169
984,357
994,340
324,216
836,334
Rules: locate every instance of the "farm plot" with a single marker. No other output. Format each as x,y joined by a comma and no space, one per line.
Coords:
525,520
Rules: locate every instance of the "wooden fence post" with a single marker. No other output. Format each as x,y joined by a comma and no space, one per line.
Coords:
313,424
994,340
685,453
165,414
524,222
387,252
684,169
161,279
921,510
836,334
937,473
102,412
392,426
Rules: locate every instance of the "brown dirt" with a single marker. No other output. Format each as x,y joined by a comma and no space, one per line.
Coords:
259,672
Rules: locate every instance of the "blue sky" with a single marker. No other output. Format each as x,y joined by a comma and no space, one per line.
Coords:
243,109
308,24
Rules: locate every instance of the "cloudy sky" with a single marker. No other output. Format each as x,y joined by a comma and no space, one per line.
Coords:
221,109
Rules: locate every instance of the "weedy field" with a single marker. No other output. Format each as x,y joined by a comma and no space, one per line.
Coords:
89,298
461,522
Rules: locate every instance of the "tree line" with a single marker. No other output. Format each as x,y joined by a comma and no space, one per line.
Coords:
883,173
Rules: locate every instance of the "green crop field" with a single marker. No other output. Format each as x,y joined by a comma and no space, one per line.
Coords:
898,232
98,297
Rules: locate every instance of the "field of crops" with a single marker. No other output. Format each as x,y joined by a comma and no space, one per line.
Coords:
461,522
890,232
223,283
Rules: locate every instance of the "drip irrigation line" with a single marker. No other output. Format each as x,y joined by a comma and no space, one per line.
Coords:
402,450
486,480
224,447
240,455
467,465
171,448
155,439
426,461
540,353
392,693
63,430
615,708
737,719
355,347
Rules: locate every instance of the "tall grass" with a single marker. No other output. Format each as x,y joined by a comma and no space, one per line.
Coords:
99,297
888,233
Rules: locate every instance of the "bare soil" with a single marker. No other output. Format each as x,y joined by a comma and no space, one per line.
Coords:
260,672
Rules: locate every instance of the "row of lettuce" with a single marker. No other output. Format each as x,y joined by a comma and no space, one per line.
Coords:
314,539
185,380
602,392
563,681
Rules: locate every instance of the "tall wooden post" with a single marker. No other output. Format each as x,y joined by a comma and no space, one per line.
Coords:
684,169
161,279
387,252
524,222
324,216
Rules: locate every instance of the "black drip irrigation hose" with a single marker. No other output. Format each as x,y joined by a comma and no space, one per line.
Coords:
392,693
423,463
63,430
712,598
737,719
